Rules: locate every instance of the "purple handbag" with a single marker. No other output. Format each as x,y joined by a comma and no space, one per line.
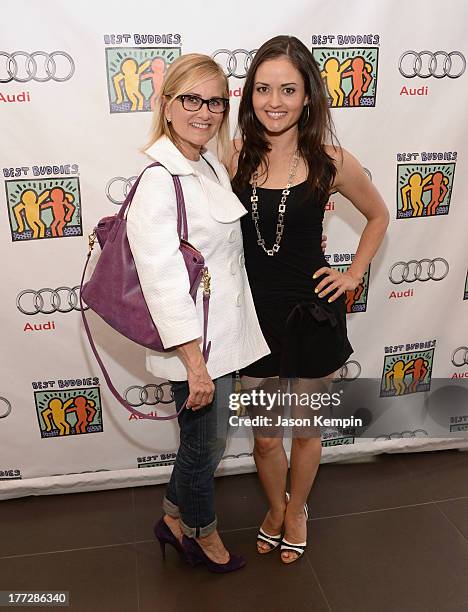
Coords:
115,294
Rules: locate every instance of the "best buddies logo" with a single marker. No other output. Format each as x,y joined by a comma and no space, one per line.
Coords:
424,185
349,67
407,368
41,206
135,73
458,424
68,407
9,474
167,458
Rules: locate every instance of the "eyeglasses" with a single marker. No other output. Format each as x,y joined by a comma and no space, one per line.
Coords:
194,103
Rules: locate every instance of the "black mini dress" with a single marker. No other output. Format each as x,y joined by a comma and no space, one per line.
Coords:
307,335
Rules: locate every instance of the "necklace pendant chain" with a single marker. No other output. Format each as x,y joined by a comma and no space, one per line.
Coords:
281,208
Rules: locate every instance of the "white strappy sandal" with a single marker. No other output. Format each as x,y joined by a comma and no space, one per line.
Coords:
293,547
273,541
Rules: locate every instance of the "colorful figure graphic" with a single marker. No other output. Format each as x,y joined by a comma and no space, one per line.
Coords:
44,208
424,190
333,73
414,189
406,373
56,411
438,190
30,204
350,74
396,376
158,70
130,72
418,370
68,412
356,301
62,207
135,75
353,296
85,411
361,75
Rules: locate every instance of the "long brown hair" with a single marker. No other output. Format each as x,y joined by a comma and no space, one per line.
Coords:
315,125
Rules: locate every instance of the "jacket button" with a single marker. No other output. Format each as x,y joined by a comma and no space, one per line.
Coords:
241,260
233,267
232,236
239,299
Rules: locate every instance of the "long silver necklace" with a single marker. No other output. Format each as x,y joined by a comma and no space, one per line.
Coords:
281,207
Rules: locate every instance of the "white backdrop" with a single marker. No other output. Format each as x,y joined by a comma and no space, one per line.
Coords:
70,146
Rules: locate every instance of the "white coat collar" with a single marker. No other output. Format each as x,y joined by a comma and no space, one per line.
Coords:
223,204
166,152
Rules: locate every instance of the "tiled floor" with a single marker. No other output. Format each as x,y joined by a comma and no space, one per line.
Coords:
385,536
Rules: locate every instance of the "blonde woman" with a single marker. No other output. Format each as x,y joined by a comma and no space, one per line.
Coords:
192,109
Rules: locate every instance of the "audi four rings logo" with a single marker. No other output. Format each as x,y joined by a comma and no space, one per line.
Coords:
118,188
422,270
38,66
350,371
149,395
234,63
5,407
47,301
425,64
397,435
460,356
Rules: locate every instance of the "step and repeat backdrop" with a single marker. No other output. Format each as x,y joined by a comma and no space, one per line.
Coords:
78,83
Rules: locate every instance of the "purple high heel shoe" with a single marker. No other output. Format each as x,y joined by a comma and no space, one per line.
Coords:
195,554
165,536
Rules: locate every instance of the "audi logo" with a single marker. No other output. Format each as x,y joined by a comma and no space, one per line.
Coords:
47,301
423,270
5,407
398,435
149,395
425,64
38,66
462,359
120,190
234,63
349,371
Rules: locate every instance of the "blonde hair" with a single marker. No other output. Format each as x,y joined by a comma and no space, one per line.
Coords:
183,75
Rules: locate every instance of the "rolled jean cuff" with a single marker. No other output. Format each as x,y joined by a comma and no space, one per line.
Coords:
170,508
198,532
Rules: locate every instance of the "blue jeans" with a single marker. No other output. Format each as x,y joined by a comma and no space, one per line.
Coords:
190,492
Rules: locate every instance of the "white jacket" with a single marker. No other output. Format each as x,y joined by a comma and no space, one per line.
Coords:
213,214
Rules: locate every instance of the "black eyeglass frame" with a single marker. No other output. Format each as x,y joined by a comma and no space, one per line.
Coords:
203,101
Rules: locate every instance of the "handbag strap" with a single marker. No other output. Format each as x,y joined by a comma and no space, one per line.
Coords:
182,230
182,226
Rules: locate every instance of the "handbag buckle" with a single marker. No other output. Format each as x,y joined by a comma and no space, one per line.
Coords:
91,240
206,279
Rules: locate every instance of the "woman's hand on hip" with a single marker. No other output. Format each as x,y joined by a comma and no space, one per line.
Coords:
334,283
